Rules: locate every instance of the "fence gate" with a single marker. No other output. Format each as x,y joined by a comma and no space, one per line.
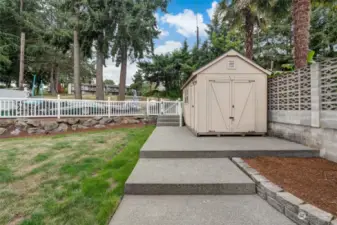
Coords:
170,108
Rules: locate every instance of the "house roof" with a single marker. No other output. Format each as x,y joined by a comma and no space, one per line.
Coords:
231,52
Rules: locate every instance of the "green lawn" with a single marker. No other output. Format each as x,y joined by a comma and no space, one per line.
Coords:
67,179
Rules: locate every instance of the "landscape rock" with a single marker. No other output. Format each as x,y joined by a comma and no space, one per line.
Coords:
40,126
78,126
124,121
90,123
105,121
16,132
34,123
61,128
21,124
49,125
334,222
62,120
133,121
97,118
72,121
2,130
6,123
74,127
117,119
82,127
35,130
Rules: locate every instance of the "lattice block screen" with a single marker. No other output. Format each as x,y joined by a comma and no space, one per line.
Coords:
290,91
329,84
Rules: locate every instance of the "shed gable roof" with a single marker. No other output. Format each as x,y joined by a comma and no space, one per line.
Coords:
229,53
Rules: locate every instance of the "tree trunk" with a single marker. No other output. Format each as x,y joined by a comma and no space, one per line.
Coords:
77,81
301,24
249,29
99,76
22,51
122,77
56,77
52,81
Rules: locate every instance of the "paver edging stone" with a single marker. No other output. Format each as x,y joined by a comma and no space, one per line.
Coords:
292,207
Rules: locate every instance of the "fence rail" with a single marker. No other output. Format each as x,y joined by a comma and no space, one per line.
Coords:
32,107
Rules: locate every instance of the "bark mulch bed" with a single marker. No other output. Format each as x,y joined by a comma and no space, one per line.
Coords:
314,180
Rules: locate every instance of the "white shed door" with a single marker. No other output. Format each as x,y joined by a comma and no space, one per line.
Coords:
231,106
243,106
219,98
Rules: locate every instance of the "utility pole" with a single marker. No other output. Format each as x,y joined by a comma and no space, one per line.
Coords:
22,49
198,41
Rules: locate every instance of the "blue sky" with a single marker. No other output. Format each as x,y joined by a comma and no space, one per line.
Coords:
176,25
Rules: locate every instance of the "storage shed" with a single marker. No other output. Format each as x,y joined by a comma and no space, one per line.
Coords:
227,96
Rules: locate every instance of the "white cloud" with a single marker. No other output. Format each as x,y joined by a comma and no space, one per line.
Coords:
211,11
169,46
186,22
156,15
112,72
163,33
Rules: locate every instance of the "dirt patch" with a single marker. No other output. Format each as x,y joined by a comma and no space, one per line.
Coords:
17,220
27,185
25,134
312,179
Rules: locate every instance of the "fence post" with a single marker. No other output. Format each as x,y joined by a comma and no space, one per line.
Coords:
147,106
109,107
161,106
315,75
58,107
180,111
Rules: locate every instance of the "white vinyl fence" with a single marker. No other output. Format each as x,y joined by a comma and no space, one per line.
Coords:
33,107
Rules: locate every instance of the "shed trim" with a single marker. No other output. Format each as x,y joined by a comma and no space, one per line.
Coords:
231,52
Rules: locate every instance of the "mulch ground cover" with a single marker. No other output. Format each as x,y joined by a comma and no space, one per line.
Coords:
314,180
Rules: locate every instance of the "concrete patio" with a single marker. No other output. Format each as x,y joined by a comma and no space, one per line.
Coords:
179,142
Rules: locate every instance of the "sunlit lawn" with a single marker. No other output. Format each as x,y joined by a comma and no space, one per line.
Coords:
66,179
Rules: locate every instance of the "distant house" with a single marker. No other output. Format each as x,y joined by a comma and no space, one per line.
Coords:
91,89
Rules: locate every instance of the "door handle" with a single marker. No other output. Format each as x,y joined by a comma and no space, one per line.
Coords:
232,118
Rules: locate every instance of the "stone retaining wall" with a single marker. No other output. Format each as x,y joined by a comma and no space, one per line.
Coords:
292,207
13,127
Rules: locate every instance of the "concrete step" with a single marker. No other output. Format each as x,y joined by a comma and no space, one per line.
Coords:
188,176
167,124
179,142
197,210
168,119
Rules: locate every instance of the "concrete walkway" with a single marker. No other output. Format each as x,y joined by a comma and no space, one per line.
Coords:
197,190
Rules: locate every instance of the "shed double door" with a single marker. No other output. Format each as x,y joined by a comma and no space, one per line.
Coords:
231,106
